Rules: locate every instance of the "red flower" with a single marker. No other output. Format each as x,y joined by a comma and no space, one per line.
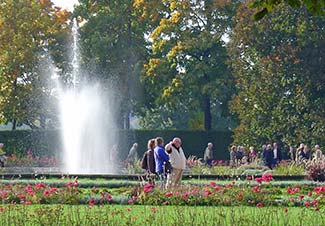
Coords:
28,202
109,197
40,186
212,183
249,178
307,204
3,194
259,180
229,185
267,177
46,193
91,202
216,188
148,187
256,189
169,194
207,193
259,205
185,195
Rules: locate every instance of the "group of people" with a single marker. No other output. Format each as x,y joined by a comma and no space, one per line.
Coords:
167,162
271,154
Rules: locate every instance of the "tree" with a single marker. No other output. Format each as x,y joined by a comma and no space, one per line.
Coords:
111,38
27,30
266,6
278,64
187,61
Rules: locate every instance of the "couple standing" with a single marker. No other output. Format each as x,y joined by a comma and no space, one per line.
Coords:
170,161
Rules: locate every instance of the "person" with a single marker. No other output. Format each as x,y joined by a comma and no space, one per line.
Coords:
292,154
252,155
177,160
277,155
233,160
239,154
208,155
2,155
267,156
304,154
163,166
133,154
148,161
318,153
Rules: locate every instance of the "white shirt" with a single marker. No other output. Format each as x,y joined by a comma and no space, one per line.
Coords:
177,158
275,151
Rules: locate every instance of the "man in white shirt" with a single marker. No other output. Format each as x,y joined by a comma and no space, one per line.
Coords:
177,160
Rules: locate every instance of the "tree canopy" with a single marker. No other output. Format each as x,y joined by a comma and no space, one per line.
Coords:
279,69
27,30
186,71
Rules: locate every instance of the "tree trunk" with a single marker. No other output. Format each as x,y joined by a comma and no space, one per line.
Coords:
207,113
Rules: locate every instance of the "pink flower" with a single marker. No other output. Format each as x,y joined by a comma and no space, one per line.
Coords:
301,197
216,188
259,180
3,194
212,183
267,177
91,202
40,186
169,194
249,178
46,193
259,205
256,189
28,202
230,185
307,204
109,197
207,193
148,187
21,196
310,194
185,195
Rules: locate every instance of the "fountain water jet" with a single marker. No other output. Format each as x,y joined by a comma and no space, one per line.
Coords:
86,120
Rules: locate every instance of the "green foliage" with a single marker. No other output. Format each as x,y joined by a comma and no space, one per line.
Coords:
280,92
265,6
112,50
186,71
28,30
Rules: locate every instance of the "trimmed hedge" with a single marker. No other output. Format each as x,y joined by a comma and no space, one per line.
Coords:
48,142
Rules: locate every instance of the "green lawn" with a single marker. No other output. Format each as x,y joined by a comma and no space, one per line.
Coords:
161,215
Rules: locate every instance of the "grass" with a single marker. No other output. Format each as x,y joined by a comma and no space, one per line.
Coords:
156,215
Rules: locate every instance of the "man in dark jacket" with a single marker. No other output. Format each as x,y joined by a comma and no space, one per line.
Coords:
267,156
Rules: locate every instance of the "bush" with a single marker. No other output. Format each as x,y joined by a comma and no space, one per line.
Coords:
316,170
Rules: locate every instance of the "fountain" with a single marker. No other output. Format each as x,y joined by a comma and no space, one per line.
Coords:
86,120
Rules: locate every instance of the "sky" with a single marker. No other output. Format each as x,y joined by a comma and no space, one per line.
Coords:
65,4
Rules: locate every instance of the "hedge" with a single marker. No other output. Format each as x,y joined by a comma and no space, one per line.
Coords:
48,142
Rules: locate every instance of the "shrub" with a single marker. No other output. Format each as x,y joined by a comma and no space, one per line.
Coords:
316,170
